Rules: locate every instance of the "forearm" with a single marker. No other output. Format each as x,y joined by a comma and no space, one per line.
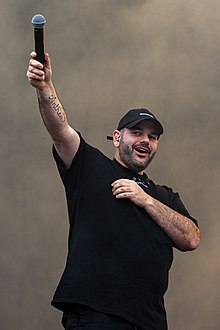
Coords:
52,112
65,138
181,230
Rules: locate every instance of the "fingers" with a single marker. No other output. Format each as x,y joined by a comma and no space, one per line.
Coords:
123,188
129,189
38,74
34,72
33,54
35,68
123,182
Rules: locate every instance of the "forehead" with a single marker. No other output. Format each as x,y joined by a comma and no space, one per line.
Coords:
145,124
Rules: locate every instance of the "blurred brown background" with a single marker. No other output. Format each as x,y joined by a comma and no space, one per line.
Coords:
109,56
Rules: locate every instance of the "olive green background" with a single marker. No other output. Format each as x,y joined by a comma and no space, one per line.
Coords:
109,56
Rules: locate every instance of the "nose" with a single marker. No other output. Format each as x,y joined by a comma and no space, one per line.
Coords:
145,138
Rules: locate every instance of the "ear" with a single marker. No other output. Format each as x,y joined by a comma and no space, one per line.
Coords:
116,137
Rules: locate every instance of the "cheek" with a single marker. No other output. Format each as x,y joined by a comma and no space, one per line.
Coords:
154,147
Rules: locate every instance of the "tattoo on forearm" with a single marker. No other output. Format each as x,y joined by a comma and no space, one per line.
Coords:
57,107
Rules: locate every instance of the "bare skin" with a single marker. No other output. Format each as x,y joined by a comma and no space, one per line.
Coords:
134,148
65,138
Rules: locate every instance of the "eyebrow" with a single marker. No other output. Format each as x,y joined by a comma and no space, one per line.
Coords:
140,128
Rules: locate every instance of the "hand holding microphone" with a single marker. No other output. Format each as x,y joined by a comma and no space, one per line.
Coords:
39,72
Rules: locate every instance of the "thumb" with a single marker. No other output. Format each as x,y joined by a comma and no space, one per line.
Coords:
47,68
47,63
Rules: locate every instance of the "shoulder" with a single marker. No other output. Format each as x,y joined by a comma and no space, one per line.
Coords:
165,194
86,153
163,190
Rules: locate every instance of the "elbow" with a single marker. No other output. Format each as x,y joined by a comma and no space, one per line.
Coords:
196,239
193,242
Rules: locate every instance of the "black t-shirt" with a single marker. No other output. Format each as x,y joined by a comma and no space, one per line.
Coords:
118,257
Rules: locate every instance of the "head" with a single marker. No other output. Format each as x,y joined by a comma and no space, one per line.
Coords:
136,139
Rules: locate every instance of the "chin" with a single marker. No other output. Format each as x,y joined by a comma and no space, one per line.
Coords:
137,167
141,164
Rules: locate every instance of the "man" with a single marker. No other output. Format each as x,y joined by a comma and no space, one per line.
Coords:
123,227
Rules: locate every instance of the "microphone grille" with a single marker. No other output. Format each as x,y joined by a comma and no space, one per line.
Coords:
38,21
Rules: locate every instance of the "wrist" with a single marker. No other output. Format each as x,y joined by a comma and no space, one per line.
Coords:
149,202
46,91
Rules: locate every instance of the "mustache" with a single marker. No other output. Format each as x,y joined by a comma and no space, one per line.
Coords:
143,146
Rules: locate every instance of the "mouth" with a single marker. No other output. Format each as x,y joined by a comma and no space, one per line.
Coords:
142,151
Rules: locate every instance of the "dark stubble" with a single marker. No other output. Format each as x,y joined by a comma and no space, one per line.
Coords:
127,157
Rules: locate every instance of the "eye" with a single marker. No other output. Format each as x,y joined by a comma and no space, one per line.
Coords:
136,132
153,137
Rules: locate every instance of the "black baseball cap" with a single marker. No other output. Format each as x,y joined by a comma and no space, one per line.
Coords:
135,116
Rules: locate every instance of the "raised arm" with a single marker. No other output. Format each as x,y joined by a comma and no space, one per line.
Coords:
65,138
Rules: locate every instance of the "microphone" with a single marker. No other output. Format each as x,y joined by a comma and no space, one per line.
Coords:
38,22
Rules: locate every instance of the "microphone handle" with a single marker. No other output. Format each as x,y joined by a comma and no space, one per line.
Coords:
39,44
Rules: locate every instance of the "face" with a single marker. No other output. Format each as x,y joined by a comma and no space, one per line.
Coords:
137,146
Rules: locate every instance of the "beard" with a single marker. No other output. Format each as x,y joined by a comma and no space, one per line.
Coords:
127,156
